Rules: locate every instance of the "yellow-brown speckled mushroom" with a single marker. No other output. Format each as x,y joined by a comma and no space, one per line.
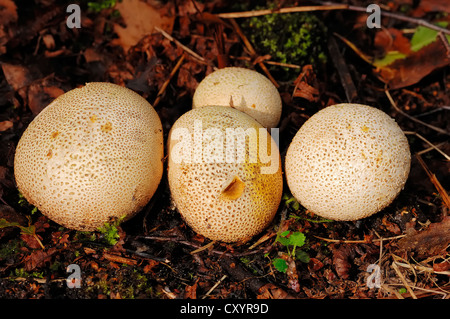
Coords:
221,195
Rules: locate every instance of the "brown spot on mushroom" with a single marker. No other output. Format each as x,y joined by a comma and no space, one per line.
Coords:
233,188
107,127
55,134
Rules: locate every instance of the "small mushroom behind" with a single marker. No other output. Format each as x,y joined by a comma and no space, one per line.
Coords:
347,162
221,194
243,89
94,154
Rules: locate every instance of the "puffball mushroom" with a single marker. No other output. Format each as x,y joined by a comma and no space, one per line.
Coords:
243,89
93,154
347,162
224,173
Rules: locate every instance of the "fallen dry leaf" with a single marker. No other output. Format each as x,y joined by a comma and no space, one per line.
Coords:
5,125
190,292
392,40
270,291
432,241
140,19
401,70
306,85
341,260
8,12
38,258
17,76
414,67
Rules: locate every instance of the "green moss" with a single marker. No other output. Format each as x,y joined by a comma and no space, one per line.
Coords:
295,38
9,249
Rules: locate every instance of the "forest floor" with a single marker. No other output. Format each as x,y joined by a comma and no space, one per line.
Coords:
400,252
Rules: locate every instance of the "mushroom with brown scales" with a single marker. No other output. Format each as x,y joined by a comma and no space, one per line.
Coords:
243,89
94,154
347,162
222,189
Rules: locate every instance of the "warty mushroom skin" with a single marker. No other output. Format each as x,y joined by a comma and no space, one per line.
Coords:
347,162
92,155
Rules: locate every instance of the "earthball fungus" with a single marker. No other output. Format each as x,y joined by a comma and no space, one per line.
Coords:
93,154
245,90
347,162
224,173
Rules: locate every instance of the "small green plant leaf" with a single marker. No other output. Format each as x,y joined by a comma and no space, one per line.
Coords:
424,36
4,223
297,239
110,232
291,202
302,256
280,265
282,239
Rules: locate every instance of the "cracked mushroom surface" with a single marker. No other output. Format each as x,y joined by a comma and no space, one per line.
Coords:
93,154
221,195
347,162
243,89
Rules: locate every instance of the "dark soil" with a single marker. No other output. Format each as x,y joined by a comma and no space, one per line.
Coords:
153,256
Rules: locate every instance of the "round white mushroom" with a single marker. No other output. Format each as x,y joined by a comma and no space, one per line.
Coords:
94,154
243,89
347,162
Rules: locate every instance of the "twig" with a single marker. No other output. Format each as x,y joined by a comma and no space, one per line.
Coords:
432,146
444,42
166,83
402,278
215,286
328,6
285,65
441,190
208,245
393,16
340,241
185,48
189,244
394,105
342,68
422,268
252,51
255,13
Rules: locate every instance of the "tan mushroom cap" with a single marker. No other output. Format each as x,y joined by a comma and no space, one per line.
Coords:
347,162
93,154
243,89
225,200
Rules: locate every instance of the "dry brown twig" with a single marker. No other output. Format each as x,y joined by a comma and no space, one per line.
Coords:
362,241
166,83
252,51
256,13
181,45
441,190
329,6
394,105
